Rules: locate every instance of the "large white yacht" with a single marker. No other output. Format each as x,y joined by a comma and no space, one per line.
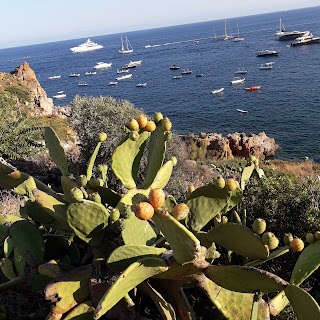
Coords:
87,46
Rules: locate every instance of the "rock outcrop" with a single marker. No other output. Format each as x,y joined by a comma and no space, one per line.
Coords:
215,146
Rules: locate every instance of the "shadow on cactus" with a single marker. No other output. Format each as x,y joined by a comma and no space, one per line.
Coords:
144,239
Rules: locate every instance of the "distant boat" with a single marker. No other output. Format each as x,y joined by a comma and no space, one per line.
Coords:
186,71
112,83
264,53
226,36
60,95
305,40
103,65
54,77
91,73
125,46
122,71
253,88
174,67
125,77
176,77
74,75
148,46
82,84
282,34
241,71
217,91
87,46
237,80
266,66
199,75
238,38
242,111
141,85
134,63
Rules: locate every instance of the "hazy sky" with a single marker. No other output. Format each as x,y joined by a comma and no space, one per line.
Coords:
26,22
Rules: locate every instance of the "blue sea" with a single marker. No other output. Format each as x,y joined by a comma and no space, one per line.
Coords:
287,107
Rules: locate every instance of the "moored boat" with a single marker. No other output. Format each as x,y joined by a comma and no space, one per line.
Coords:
283,35
217,91
305,40
264,53
125,46
122,71
112,83
87,46
125,77
237,80
141,85
253,88
103,65
90,73
266,66
242,111
186,71
74,75
54,77
176,77
60,95
82,84
174,67
241,71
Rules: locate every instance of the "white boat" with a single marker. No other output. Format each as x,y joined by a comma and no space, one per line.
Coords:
87,46
242,111
141,84
282,34
266,66
125,46
264,53
186,71
134,63
226,36
148,46
112,83
60,92
301,41
90,73
59,95
54,77
103,65
74,75
238,38
125,77
176,77
241,71
122,71
82,84
217,91
237,80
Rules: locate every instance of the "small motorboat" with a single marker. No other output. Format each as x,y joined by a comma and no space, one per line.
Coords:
82,84
253,88
242,111
141,85
54,77
241,71
74,75
103,65
217,91
60,95
198,75
176,77
264,53
125,77
112,83
90,73
174,67
237,80
266,66
122,71
186,71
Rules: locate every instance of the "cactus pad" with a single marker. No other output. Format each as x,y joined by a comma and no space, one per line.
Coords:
245,279
92,160
108,196
206,202
6,268
131,277
84,311
163,175
246,174
239,239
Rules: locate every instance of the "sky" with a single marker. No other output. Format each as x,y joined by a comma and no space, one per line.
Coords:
26,22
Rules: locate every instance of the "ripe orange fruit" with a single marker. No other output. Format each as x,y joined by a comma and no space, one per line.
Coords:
191,189
157,198
231,184
150,126
133,125
144,210
166,124
180,211
142,120
297,245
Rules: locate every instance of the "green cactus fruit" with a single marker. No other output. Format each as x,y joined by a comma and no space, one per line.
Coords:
114,214
144,210
166,124
133,124
49,269
158,117
174,161
219,182
134,135
102,137
288,237
259,226
95,197
168,136
310,237
157,197
297,245
254,160
180,211
151,126
103,169
230,184
224,219
77,194
83,180
126,213
269,239
142,120
317,235
217,220
119,225
94,182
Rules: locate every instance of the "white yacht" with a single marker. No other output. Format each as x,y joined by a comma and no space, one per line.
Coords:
237,80
103,65
125,77
87,46
125,46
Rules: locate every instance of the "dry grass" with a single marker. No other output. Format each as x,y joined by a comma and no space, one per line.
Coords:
10,203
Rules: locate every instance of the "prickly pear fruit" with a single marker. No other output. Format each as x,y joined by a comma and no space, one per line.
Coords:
126,214
166,124
254,160
150,126
119,225
168,136
94,183
77,194
83,180
259,226
230,184
133,124
219,182
191,188
158,117
144,210
310,237
297,245
114,214
217,220
103,169
157,198
142,120
180,211
288,237
102,136
174,161
134,135
224,219
270,240
49,269
317,235
95,197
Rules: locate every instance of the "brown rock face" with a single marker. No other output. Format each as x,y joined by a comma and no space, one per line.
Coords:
27,78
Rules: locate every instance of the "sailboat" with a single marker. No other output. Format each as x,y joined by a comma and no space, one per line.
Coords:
238,38
226,36
125,46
